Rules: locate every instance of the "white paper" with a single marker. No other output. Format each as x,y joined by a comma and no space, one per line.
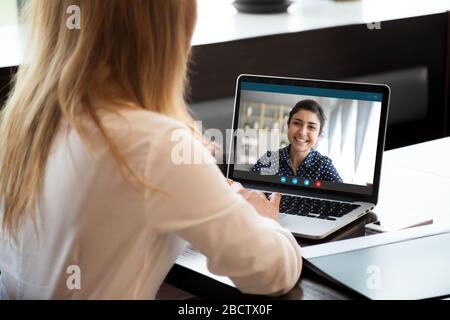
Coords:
192,259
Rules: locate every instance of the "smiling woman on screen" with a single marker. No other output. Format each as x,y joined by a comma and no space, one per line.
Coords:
299,159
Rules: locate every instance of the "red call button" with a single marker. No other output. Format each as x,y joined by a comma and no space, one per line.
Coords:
318,184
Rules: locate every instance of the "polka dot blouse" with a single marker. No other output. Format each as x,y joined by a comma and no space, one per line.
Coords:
314,167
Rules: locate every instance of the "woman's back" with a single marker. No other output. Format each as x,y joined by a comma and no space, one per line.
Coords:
119,241
90,218
100,203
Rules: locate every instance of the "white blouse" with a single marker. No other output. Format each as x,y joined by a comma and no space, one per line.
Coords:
98,237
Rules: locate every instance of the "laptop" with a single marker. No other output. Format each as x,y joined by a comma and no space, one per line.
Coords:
319,143
405,264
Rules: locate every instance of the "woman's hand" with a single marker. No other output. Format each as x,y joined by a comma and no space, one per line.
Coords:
266,208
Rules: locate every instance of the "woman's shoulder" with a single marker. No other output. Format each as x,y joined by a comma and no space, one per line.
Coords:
317,156
269,154
143,124
139,129
139,120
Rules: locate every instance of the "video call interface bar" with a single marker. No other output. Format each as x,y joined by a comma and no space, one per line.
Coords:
299,183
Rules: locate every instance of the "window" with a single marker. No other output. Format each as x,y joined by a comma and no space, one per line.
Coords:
9,12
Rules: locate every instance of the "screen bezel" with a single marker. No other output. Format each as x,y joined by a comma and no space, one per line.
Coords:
313,83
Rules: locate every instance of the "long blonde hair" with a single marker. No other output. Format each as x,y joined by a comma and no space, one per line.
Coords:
144,45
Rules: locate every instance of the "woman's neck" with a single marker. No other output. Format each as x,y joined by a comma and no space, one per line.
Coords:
297,159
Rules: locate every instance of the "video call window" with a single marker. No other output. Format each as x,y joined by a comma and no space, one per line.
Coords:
333,134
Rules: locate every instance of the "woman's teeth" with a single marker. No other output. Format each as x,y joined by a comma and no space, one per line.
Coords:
301,140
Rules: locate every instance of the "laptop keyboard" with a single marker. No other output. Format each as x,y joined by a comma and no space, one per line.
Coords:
320,209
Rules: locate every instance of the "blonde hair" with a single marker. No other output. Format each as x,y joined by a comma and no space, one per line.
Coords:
143,45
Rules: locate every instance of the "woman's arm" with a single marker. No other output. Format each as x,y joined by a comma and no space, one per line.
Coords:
259,255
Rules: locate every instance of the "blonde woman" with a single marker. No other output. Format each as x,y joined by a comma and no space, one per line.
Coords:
92,204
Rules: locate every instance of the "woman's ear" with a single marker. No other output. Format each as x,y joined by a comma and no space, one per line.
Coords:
320,131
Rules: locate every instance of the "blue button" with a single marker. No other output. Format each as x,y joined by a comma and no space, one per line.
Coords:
306,182
294,180
283,179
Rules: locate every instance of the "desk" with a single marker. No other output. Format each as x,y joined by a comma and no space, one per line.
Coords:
414,180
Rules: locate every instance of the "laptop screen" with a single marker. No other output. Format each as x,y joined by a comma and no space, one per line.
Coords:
308,136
